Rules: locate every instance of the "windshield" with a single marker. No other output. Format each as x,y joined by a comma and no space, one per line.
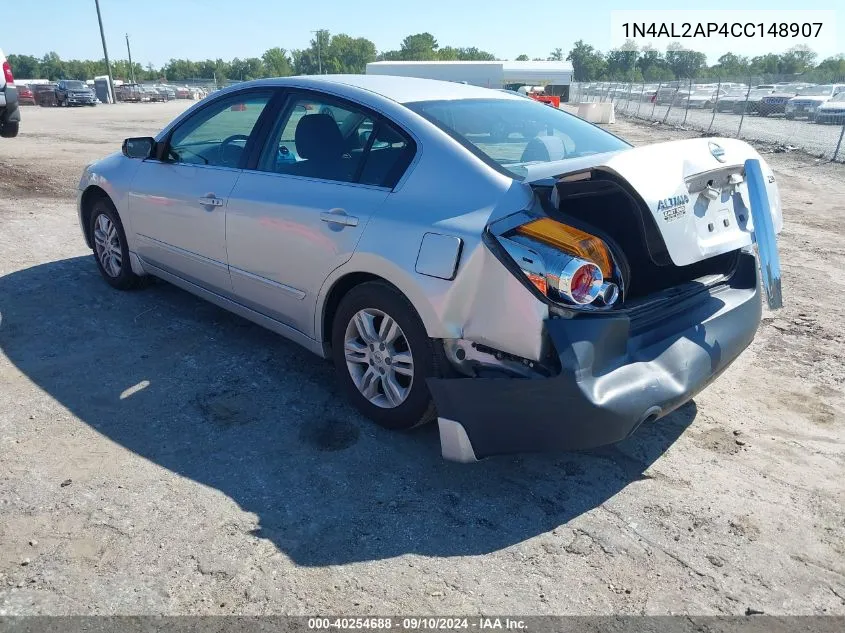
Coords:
74,85
839,97
817,91
511,134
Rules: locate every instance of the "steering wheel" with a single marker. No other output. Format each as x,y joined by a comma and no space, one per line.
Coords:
224,146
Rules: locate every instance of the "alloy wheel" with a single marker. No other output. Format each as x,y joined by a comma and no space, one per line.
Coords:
379,358
107,245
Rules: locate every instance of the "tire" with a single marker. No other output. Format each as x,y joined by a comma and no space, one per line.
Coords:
10,129
428,359
62,103
123,278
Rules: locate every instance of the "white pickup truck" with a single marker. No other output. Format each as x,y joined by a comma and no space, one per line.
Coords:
10,114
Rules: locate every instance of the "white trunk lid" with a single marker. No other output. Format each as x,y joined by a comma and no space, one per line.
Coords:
695,189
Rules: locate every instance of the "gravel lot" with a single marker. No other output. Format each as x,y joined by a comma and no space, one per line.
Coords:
158,455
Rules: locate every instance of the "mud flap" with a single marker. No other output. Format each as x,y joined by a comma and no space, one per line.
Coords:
764,233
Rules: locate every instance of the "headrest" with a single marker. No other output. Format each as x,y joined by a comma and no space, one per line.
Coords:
317,136
543,148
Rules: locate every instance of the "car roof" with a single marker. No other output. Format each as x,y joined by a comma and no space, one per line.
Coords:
395,88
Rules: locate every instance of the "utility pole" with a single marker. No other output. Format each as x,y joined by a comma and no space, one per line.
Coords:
319,53
131,67
105,53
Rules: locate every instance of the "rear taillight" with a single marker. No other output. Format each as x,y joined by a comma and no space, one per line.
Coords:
7,73
570,240
564,264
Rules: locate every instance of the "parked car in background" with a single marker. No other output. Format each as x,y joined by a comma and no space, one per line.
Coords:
44,94
755,98
670,95
152,94
775,103
71,92
702,98
130,93
25,95
807,101
745,100
832,111
727,101
10,113
167,92
447,275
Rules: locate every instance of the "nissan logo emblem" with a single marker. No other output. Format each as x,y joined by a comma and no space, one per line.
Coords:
718,152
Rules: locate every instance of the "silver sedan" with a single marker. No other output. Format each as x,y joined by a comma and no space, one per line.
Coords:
525,278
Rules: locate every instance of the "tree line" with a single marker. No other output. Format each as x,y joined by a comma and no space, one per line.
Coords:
326,53
343,53
630,63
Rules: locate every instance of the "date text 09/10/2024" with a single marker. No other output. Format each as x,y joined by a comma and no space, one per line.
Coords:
416,623
722,29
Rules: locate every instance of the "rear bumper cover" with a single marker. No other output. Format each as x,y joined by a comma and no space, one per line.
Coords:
611,380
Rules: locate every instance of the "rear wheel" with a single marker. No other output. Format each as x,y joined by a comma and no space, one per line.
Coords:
383,355
110,248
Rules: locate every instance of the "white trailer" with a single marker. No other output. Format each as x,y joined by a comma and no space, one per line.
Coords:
485,74
497,74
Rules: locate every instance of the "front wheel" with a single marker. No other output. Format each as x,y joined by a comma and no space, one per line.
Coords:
110,247
383,355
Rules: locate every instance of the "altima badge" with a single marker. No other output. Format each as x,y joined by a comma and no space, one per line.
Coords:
718,152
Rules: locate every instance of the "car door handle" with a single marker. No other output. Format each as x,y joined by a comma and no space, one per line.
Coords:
338,216
210,201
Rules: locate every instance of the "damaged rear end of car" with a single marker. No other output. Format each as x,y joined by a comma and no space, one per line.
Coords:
627,285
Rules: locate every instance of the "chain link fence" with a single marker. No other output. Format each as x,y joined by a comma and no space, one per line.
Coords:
765,113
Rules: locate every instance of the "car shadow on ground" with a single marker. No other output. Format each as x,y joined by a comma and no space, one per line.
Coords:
212,397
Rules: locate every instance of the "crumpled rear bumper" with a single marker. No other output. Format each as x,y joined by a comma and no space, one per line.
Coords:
613,377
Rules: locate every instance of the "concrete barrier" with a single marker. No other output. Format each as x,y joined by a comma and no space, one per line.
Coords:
597,112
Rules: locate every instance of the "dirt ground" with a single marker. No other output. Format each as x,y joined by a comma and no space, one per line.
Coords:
161,456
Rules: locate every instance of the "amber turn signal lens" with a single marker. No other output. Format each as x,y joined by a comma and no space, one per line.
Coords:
571,240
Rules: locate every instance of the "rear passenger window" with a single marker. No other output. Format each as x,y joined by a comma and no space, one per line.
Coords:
388,158
317,139
326,139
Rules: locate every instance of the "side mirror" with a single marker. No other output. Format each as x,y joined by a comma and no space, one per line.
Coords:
140,147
